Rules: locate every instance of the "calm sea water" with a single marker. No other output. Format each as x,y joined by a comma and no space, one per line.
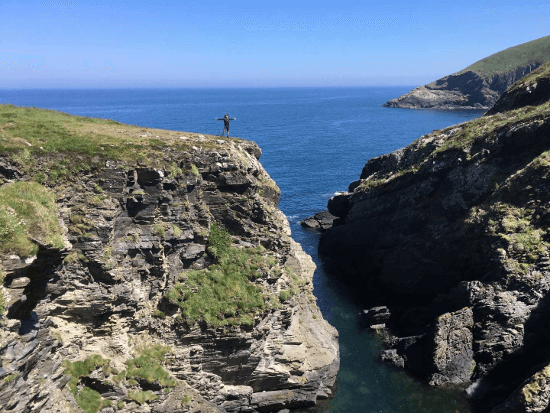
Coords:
315,141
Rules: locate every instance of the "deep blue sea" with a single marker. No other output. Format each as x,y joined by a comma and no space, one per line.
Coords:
315,141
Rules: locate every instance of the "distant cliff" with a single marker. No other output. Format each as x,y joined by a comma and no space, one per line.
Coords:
480,85
149,271
452,234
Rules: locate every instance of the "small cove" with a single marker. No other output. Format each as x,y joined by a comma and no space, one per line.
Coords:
315,141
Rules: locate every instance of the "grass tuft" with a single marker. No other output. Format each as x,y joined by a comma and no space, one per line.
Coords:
28,211
224,293
142,397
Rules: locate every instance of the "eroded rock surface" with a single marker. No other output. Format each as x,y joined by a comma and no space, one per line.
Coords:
132,232
451,234
463,90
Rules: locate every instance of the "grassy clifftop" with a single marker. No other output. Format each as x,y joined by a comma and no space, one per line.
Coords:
480,85
26,131
533,52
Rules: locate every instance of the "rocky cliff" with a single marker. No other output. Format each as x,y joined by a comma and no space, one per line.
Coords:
463,90
451,233
161,278
479,85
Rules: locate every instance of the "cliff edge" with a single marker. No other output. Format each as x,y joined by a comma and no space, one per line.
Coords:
451,233
149,271
480,85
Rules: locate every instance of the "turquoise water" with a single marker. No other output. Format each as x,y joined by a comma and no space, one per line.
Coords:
315,141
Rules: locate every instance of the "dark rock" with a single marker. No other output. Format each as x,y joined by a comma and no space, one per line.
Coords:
339,205
532,93
436,232
322,221
376,315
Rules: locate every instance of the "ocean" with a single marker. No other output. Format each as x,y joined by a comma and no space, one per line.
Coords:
315,142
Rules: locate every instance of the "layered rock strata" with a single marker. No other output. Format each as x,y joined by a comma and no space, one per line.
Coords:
463,90
134,232
451,233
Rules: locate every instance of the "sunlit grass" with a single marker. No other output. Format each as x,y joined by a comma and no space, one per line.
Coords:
536,51
28,211
224,293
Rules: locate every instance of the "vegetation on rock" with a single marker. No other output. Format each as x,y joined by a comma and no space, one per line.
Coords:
224,293
28,212
138,204
146,366
460,218
478,86
30,133
533,52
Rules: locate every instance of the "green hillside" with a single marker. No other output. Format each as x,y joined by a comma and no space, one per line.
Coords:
536,51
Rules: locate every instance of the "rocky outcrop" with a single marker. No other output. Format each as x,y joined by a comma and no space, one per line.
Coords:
320,221
450,233
134,236
463,90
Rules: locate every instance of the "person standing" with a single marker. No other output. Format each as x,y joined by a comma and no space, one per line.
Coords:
226,120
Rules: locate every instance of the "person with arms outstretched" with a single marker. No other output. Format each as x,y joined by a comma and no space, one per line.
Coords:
226,120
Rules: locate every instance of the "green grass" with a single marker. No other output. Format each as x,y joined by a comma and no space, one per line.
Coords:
515,226
224,293
82,368
90,401
9,378
536,51
28,210
175,171
159,314
146,366
176,230
159,229
142,397
81,142
543,71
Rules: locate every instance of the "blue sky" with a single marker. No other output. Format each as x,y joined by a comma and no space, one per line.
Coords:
93,44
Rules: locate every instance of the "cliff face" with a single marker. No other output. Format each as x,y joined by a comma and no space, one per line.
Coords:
451,233
133,311
464,90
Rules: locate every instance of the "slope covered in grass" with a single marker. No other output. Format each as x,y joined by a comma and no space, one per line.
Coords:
481,84
530,53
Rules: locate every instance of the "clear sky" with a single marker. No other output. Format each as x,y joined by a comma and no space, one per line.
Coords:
94,44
